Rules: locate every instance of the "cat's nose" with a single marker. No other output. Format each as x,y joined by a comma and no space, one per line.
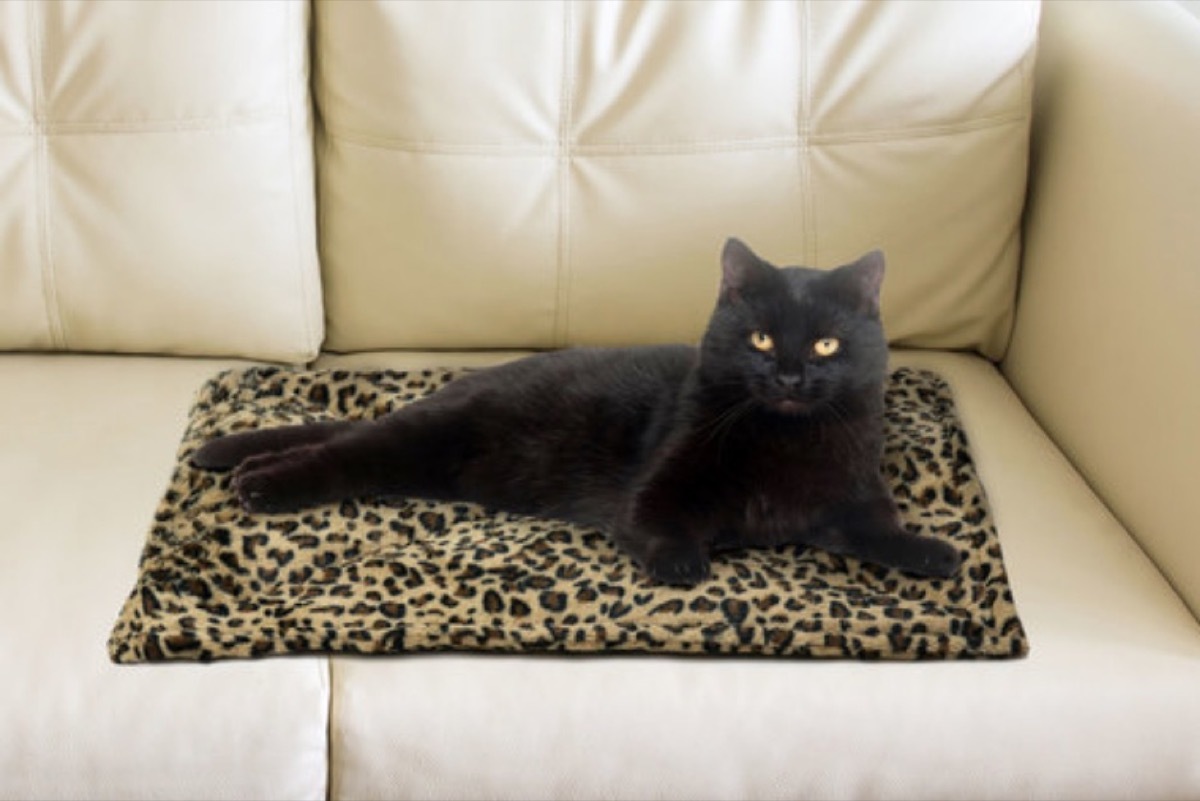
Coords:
789,381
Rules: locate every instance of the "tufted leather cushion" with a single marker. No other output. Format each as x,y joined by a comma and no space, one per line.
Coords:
156,179
542,174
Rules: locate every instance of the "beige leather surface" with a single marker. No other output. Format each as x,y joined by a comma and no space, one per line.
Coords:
1104,707
1106,350
547,173
86,446
156,179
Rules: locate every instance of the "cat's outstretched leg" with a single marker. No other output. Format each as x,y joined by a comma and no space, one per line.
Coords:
227,452
418,451
872,531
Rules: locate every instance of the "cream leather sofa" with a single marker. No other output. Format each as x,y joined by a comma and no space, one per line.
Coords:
190,186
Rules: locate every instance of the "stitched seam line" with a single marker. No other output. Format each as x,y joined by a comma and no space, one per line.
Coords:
325,670
302,265
814,231
383,141
617,149
562,315
922,132
321,147
37,74
63,127
804,142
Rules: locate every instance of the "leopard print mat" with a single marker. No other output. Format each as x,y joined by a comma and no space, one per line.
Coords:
379,577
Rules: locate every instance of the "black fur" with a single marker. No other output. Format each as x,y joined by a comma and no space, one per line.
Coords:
676,451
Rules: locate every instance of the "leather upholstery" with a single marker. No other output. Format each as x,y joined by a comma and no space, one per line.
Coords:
86,443
1106,347
580,158
156,179
1104,706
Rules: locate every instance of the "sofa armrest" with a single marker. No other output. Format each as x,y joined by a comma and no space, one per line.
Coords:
1106,346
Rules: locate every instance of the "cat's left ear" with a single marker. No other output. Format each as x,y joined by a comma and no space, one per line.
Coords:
864,278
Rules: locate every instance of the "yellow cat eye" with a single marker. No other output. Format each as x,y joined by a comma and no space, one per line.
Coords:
761,341
826,347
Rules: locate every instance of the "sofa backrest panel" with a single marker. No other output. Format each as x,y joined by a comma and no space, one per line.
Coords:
156,179
555,173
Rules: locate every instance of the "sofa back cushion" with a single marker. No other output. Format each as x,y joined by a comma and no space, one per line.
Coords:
156,179
545,174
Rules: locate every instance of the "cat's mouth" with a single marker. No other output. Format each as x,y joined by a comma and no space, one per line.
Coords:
789,401
790,406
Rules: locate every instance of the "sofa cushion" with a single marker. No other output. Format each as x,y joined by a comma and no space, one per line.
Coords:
1106,347
87,447
1104,706
541,174
156,179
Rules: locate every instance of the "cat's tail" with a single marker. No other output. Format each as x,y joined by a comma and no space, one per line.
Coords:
227,452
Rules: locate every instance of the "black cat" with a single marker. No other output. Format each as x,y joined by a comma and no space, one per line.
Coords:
768,433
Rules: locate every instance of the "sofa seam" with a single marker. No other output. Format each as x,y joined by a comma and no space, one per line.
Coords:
1015,241
804,159
679,148
321,152
330,711
562,321
934,131
55,325
297,55
147,125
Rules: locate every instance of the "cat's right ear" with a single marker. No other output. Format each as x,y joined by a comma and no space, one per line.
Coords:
739,269
866,279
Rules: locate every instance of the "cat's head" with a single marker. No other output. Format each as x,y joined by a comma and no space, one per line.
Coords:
795,340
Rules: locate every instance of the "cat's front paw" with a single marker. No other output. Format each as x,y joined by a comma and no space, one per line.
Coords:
263,485
681,564
935,559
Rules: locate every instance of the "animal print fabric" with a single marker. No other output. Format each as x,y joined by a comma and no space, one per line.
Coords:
382,576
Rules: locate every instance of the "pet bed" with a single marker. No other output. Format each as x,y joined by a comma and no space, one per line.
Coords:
378,576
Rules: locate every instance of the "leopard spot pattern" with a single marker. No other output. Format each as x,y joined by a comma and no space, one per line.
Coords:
396,575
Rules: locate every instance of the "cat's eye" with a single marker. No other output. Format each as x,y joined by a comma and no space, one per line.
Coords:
827,346
761,341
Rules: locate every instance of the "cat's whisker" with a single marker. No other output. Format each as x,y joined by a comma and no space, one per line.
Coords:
852,434
738,413
723,423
